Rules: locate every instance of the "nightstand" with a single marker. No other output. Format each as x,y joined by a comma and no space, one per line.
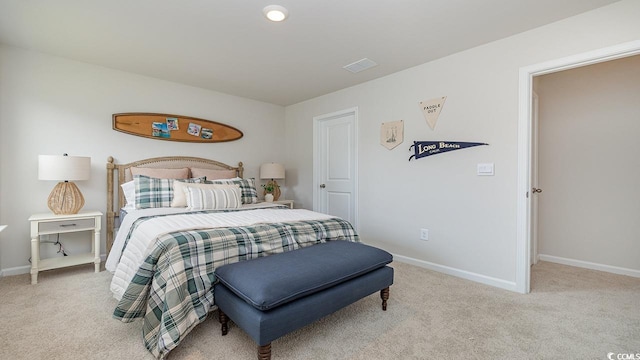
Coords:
45,224
281,202
284,202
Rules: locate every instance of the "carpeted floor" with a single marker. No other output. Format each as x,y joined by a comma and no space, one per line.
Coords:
571,314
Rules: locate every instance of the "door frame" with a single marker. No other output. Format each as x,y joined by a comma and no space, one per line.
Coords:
523,205
317,167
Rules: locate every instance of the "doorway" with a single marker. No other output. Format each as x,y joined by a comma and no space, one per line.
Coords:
525,143
588,150
335,163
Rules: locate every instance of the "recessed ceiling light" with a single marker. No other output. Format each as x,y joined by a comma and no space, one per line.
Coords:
275,13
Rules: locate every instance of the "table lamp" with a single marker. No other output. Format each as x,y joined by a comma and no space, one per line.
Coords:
65,198
272,171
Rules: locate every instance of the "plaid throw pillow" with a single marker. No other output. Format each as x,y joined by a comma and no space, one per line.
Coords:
247,188
212,199
155,193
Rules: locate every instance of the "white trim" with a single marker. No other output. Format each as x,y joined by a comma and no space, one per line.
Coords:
316,163
19,270
483,279
590,265
523,217
523,220
2,227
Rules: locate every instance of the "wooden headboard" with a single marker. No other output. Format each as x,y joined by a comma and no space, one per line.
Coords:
118,174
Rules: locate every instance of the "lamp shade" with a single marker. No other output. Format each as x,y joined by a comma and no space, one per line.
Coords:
64,168
272,171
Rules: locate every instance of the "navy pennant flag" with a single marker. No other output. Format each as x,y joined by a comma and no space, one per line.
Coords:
427,148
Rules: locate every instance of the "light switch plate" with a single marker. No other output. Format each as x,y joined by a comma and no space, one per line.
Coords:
485,169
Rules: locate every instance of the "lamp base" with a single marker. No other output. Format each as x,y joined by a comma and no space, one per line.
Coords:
65,199
276,189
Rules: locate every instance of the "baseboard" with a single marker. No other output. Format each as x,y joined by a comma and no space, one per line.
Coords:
26,269
19,270
479,278
590,265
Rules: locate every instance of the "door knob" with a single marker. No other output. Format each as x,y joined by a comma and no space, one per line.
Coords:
536,190
322,186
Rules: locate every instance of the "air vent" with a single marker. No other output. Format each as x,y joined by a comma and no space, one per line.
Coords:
360,65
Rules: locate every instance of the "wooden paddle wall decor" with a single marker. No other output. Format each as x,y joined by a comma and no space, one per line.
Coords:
174,128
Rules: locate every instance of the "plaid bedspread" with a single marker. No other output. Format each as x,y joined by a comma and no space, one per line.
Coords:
173,290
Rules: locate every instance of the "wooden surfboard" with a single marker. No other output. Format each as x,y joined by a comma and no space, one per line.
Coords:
174,128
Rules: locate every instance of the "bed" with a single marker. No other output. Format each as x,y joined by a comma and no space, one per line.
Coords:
163,257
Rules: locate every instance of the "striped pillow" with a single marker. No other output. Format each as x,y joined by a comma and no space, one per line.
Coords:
212,199
180,197
248,191
154,192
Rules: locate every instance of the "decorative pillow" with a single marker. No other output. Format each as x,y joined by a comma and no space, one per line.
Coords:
154,192
180,198
212,174
129,191
212,199
247,188
182,173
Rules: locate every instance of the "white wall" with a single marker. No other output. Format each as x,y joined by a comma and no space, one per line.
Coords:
50,105
589,168
472,219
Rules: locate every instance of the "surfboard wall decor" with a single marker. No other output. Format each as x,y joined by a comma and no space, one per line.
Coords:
174,128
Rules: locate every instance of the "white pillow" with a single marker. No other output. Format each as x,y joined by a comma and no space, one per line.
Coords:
129,190
212,199
179,195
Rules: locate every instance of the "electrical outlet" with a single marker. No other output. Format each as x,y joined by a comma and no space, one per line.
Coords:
424,234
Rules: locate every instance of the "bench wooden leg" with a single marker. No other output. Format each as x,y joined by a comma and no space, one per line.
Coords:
224,320
384,295
264,352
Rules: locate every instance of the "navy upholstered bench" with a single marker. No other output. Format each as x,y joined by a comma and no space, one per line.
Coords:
271,296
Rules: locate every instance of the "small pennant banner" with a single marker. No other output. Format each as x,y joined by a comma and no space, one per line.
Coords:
392,134
427,148
431,110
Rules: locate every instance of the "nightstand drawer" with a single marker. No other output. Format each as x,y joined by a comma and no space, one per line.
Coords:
66,225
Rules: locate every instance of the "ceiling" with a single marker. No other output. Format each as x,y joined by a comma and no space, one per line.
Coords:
230,47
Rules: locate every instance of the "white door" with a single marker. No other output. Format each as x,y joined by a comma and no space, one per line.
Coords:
535,189
336,165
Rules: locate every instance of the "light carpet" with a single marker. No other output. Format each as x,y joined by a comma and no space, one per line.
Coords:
571,313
